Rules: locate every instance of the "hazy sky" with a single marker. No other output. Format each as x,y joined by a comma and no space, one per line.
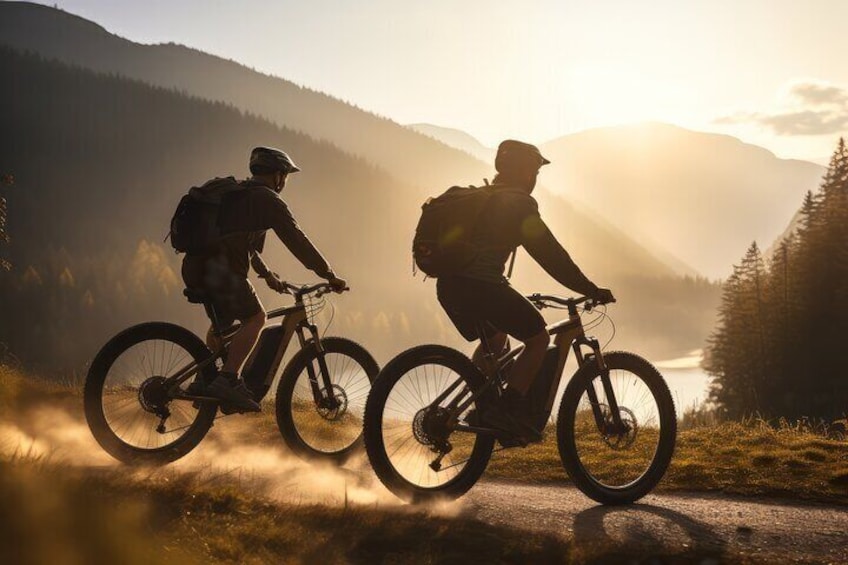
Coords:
772,72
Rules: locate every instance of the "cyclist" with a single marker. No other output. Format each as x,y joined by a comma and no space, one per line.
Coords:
244,217
481,299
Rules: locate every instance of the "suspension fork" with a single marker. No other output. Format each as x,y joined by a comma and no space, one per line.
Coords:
320,398
605,382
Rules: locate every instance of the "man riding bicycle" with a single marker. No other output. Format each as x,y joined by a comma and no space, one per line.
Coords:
480,299
221,276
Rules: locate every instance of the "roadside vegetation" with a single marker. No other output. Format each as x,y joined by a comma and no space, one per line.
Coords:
58,512
749,458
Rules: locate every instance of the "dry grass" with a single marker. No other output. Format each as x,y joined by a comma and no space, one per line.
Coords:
53,513
749,458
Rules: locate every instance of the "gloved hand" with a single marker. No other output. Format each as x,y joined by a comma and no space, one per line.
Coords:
338,284
275,284
603,296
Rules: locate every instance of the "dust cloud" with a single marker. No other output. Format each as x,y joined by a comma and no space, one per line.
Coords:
233,453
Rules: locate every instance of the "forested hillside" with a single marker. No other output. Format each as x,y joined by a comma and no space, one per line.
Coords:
101,161
784,318
57,34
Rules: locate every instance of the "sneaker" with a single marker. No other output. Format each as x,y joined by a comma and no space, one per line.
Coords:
233,395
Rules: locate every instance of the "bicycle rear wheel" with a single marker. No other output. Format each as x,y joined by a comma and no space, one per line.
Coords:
609,464
126,401
330,428
405,432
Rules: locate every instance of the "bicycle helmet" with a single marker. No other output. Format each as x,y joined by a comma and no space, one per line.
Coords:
518,156
265,160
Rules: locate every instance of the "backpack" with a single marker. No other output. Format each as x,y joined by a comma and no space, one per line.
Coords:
194,226
443,242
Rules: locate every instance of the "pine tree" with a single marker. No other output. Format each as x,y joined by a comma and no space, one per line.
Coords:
777,349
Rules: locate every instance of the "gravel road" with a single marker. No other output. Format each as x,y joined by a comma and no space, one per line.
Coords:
716,527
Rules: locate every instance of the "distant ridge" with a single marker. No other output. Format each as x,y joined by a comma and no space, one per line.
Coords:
128,150
57,34
405,154
457,139
702,197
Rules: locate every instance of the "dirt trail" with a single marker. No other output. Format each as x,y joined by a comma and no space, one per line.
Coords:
713,526
708,524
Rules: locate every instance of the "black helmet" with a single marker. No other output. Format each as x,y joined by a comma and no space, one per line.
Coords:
518,156
264,160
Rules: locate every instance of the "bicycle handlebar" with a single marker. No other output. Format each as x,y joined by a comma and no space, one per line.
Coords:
542,300
320,289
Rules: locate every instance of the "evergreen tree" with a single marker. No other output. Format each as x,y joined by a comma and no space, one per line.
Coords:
777,349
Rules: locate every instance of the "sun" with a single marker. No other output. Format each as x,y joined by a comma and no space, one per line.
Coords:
611,95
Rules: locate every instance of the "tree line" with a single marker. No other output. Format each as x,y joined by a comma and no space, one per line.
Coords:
783,319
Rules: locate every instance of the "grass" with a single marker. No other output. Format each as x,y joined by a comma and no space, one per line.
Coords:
746,458
54,512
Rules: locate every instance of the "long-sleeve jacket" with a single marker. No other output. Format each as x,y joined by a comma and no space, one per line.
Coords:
244,218
511,219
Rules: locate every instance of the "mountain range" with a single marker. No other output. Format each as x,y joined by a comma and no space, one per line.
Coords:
106,134
671,189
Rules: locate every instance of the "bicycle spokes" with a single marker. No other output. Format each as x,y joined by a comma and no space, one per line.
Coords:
329,419
616,446
418,432
136,400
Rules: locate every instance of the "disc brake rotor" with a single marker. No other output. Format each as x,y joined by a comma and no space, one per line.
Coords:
337,408
620,438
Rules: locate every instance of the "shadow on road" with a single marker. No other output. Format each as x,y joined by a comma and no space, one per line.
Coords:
620,533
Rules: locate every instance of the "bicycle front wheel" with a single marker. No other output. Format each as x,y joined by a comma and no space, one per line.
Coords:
316,423
609,463
127,405
413,448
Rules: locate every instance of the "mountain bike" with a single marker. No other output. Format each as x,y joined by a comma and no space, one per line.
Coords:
141,409
616,426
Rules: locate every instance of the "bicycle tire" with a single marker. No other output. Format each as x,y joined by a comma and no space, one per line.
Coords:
375,444
294,434
590,485
94,391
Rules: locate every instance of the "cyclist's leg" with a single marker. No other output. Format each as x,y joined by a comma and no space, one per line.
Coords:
498,343
243,342
527,364
233,298
511,313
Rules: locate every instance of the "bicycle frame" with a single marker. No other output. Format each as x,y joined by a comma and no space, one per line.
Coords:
294,321
566,335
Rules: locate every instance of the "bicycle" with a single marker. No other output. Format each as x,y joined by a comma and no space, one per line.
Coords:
616,425
140,409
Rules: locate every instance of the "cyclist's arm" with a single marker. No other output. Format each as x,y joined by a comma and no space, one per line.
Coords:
541,244
259,265
286,228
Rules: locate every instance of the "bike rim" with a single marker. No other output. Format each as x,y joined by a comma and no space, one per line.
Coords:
331,425
132,396
406,432
617,458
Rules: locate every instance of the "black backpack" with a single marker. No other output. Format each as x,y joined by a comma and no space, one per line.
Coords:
194,226
443,242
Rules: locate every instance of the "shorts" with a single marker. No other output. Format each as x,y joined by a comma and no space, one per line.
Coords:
474,305
231,296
